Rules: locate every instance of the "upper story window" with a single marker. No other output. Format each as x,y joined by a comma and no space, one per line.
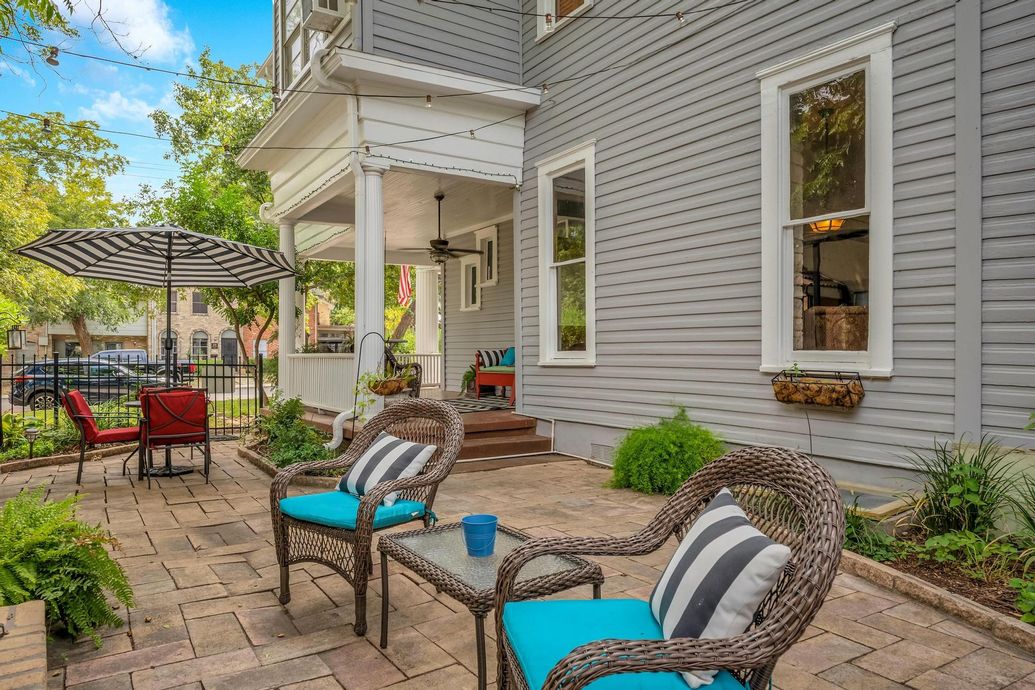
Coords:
827,208
198,305
301,26
555,13
567,318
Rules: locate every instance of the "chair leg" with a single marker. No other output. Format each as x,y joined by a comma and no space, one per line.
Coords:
285,584
82,457
125,462
361,615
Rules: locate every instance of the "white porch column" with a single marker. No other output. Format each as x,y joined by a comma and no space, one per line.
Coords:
426,310
286,308
370,275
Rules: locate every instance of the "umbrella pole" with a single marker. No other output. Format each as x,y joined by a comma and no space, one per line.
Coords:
169,470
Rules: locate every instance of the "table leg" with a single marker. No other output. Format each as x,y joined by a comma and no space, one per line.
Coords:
596,590
479,643
384,600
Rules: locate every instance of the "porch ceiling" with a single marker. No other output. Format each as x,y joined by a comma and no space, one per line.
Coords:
410,215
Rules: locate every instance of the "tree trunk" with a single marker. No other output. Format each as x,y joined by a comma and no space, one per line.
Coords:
404,325
83,334
263,400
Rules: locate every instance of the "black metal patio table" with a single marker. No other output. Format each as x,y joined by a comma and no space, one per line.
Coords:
439,556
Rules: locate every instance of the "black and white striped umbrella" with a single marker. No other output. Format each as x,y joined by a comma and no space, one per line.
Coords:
157,256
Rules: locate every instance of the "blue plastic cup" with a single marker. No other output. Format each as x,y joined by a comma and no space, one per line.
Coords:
479,533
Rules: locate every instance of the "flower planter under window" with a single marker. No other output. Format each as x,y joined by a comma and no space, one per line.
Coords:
825,388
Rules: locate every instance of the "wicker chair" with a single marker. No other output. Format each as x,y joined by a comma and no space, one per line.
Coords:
348,551
786,494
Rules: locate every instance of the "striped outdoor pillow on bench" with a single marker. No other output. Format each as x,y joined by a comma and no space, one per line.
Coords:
492,358
386,459
717,578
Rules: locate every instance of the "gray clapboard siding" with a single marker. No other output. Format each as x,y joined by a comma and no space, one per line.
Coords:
460,38
678,221
1008,229
490,327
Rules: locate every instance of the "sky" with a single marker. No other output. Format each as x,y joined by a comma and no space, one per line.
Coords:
166,33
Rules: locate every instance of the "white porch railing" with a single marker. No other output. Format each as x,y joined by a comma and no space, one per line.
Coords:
325,381
431,366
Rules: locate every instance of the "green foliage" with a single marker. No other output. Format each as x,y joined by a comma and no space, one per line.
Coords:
467,379
660,457
287,438
1023,502
45,553
1025,598
980,557
865,537
964,488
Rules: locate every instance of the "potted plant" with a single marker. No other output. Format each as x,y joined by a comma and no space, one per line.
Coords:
467,381
825,388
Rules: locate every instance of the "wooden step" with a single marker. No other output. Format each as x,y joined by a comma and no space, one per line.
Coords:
504,446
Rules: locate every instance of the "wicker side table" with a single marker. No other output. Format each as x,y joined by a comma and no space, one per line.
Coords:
439,556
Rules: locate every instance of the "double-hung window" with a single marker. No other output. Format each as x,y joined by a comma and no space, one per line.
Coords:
827,208
556,13
566,267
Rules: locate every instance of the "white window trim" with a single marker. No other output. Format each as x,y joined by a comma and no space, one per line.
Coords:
465,289
489,233
872,50
582,156
550,6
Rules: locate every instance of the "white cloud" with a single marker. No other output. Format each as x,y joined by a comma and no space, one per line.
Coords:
143,27
6,66
114,105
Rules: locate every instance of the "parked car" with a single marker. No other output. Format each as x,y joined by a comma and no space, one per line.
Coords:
138,360
98,381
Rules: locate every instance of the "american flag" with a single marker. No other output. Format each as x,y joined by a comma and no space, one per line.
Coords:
405,295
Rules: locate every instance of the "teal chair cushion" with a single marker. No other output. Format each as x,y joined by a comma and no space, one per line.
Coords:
509,358
339,508
541,633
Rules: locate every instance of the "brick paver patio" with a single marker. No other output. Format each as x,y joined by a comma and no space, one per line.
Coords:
204,571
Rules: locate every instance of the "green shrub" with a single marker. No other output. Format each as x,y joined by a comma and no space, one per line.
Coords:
45,553
980,557
865,537
1025,598
287,438
659,458
1024,505
964,488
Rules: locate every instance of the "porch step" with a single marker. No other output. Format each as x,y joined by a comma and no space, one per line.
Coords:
503,446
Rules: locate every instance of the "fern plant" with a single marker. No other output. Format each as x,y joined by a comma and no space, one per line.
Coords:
46,553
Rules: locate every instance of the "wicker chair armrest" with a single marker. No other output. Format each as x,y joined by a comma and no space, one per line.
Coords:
283,478
601,658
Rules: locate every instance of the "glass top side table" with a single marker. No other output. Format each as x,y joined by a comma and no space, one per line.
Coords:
439,556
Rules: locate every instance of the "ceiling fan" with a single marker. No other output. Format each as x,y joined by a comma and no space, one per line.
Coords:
439,249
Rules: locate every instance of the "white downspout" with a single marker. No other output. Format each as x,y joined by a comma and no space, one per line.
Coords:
352,113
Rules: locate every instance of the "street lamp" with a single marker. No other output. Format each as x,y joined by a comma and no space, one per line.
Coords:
31,434
15,338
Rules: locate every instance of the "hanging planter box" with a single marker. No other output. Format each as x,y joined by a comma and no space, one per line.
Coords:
388,386
825,388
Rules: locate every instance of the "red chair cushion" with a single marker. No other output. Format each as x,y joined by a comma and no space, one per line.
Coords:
175,417
120,435
79,412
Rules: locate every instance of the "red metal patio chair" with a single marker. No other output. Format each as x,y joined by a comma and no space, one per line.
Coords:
91,435
175,418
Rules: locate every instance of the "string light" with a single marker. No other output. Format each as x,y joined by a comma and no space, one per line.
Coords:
548,22
277,98
427,103
46,126
472,135
52,56
546,88
681,18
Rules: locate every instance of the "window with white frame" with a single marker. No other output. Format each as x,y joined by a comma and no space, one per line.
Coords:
470,288
827,208
553,14
297,41
566,268
488,243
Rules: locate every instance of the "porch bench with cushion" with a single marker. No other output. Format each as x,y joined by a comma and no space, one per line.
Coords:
494,368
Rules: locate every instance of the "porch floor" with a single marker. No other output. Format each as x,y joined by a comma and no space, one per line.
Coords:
204,571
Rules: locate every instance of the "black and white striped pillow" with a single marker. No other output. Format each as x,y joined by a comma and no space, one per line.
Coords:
717,578
386,459
491,358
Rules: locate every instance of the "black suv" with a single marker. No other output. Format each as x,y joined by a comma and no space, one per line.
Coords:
98,381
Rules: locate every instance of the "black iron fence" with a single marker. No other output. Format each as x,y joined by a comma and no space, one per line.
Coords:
31,387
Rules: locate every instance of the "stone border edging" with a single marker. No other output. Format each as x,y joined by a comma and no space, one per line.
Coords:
64,458
271,469
999,625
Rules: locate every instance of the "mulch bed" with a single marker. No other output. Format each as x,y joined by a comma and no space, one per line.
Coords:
948,576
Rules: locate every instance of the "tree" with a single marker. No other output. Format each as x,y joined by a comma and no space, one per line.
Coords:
50,181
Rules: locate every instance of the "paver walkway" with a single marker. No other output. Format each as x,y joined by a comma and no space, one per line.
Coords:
204,571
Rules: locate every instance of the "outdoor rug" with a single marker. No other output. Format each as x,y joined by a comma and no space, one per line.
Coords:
486,403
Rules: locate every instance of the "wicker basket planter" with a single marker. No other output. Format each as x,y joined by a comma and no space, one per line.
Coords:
826,388
392,385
